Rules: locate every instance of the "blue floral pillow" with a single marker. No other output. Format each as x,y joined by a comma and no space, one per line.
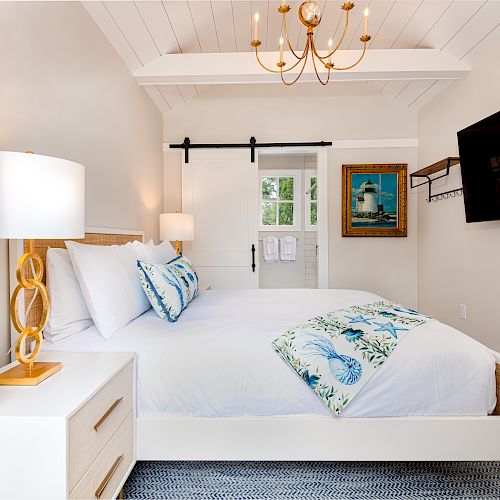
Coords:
169,287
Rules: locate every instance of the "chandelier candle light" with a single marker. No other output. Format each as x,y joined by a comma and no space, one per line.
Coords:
310,16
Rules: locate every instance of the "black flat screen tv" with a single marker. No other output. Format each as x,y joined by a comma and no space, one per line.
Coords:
479,147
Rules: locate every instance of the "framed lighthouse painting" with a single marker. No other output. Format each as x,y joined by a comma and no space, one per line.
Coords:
374,200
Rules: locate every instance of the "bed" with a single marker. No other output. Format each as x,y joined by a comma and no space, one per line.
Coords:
211,387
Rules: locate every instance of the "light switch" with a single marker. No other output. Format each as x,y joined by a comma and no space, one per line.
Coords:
463,311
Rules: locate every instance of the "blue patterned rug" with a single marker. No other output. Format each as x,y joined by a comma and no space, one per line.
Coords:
314,480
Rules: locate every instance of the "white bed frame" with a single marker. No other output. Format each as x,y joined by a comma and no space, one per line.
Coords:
319,438
313,438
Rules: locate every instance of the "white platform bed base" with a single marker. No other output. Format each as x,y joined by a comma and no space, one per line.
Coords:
322,438
319,438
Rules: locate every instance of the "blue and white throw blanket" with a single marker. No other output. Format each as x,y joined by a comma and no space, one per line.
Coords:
336,354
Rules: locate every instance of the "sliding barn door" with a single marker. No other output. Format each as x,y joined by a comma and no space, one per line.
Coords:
219,187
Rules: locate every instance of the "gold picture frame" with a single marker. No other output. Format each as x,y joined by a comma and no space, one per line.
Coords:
374,200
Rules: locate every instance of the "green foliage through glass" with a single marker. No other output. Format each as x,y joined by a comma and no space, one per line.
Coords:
286,214
286,188
269,188
314,213
269,214
277,204
314,188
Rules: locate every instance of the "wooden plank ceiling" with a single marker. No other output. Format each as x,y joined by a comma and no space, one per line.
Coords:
141,31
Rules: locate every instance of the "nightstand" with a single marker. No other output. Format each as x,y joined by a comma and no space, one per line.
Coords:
72,436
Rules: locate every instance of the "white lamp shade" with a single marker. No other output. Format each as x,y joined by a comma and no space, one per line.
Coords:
41,197
176,227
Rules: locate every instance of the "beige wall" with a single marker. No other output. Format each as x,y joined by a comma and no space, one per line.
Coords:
458,263
65,92
386,266
382,265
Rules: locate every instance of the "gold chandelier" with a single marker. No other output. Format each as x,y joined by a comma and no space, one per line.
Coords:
310,16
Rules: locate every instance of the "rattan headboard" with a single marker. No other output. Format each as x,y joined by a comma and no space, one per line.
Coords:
93,236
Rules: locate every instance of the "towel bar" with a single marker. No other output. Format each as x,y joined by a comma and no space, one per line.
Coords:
262,239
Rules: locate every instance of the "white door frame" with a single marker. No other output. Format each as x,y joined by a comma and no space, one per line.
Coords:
321,153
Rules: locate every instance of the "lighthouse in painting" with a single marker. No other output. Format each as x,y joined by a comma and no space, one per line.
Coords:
372,205
369,197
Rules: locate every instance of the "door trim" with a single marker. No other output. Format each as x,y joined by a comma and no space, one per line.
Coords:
323,238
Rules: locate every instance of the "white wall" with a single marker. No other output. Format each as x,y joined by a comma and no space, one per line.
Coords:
391,268
65,92
458,263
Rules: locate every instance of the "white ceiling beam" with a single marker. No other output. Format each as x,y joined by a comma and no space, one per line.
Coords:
242,67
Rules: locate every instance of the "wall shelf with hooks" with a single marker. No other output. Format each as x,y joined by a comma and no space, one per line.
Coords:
426,172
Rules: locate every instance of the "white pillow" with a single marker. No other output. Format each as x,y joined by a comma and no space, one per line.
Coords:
152,254
68,313
165,251
109,284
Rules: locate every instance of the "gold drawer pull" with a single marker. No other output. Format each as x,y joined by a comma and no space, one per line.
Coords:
108,477
111,409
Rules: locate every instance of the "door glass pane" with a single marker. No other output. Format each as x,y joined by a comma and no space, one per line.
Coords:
286,214
314,213
286,188
314,188
269,188
269,214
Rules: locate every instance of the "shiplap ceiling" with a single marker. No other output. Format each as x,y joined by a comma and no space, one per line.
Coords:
142,31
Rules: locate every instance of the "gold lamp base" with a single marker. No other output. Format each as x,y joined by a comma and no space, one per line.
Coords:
20,375
178,247
29,372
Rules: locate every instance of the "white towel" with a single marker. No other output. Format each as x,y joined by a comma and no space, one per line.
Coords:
270,249
288,246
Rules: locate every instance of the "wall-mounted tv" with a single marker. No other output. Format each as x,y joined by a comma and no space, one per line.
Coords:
479,147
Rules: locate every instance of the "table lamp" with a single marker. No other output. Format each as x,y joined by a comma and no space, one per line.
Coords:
176,227
40,197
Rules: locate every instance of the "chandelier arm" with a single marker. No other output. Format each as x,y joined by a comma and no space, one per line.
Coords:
276,70
315,52
301,71
317,74
339,42
263,65
356,63
288,41
343,35
291,67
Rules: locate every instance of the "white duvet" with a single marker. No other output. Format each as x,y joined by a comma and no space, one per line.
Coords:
217,361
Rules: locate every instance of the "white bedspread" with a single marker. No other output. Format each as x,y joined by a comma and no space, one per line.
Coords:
217,361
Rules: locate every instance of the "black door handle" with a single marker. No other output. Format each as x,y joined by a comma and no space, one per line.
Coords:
253,258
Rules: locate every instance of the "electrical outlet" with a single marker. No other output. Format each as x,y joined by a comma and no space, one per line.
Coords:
463,311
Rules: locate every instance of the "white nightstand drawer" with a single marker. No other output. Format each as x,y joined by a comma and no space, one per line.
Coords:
109,469
92,426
